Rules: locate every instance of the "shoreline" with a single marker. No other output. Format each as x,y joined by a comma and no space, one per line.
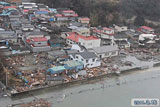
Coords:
79,82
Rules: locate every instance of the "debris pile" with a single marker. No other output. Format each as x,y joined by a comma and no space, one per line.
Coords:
39,103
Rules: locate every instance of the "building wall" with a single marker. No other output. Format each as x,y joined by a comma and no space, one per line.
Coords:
120,29
106,36
84,32
108,31
64,35
69,42
147,31
45,43
33,36
84,21
108,54
89,63
89,43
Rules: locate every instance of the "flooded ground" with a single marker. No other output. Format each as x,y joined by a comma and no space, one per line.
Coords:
112,92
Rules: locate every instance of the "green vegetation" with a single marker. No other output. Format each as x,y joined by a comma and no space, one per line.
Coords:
106,12
2,73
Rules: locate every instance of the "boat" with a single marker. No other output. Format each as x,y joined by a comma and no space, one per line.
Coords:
118,73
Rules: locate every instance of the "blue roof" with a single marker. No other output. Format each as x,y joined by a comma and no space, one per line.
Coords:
53,10
4,4
41,12
56,70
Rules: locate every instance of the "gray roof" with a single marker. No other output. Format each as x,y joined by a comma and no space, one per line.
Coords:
36,33
25,21
71,51
57,53
7,35
88,55
27,26
14,16
121,36
19,31
105,49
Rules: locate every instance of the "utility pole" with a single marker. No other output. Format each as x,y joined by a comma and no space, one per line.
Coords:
6,79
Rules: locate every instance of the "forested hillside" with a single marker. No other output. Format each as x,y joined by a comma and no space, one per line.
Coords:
106,12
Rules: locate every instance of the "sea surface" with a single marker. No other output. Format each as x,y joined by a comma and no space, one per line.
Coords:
110,92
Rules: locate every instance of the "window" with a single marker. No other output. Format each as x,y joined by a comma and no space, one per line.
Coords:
106,54
81,59
76,56
86,61
113,53
93,60
89,43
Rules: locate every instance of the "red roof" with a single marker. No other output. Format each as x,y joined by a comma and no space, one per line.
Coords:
75,15
6,7
106,28
58,15
61,15
75,37
85,19
25,10
68,11
146,27
39,39
43,10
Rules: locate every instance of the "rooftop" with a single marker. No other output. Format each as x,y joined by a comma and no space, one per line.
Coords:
73,63
104,49
85,19
146,27
75,37
39,39
68,11
106,28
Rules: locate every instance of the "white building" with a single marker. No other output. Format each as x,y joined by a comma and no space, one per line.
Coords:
82,31
146,38
120,28
106,51
87,42
89,59
104,33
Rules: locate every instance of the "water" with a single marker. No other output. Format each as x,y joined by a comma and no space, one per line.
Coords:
112,92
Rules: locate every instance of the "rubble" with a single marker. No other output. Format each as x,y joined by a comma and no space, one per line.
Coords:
37,103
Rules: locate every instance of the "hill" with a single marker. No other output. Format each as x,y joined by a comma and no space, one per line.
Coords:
106,12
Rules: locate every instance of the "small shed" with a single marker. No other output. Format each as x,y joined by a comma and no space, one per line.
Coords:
73,65
56,70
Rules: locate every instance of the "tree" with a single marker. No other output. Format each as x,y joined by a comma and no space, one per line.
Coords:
139,21
2,73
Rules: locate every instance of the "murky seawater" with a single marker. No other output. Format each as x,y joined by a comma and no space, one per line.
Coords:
112,92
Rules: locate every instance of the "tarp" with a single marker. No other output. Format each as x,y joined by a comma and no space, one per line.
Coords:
41,12
82,73
69,65
58,78
53,10
56,70
5,4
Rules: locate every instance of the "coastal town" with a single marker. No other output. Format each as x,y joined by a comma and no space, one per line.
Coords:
43,47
